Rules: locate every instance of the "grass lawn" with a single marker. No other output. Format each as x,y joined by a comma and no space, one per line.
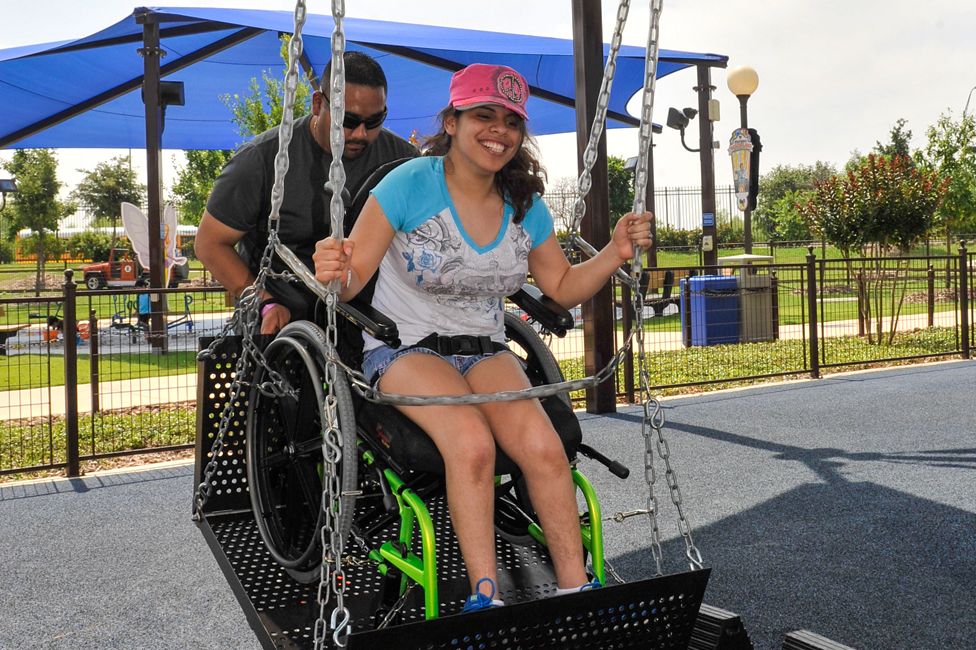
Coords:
37,370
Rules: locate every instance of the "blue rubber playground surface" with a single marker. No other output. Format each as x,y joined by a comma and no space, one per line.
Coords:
846,506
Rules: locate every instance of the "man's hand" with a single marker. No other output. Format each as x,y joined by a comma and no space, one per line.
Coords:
274,317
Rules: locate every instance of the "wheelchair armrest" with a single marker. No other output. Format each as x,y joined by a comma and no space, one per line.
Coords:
543,309
371,320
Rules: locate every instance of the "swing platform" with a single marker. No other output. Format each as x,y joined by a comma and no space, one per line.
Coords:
657,613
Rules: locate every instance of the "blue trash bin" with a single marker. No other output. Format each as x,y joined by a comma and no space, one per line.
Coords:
710,314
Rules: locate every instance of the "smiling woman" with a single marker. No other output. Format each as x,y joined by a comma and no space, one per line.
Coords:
452,234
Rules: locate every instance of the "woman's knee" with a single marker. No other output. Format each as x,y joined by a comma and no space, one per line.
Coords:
470,447
543,451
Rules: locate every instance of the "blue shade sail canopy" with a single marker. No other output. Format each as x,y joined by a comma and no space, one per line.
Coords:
87,92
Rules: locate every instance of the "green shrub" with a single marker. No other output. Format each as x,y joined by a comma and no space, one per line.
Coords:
94,246
8,253
668,237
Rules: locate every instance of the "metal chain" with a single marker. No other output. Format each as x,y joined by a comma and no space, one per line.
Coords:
332,577
397,606
585,181
653,419
246,319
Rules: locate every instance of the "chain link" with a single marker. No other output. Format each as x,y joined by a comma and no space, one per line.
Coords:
333,578
585,181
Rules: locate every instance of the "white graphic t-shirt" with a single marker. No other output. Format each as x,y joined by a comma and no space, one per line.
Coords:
434,278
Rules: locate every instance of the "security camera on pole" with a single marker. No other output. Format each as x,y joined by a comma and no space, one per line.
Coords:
744,148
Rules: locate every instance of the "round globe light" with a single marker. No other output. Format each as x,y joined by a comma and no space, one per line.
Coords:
743,81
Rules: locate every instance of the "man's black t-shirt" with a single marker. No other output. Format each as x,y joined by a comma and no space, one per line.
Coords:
241,197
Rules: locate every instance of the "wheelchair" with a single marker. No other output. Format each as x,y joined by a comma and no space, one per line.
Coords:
390,470
401,566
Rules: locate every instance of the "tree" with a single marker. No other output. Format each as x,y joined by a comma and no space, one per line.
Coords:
257,111
899,142
36,205
194,182
781,191
103,189
951,152
621,184
885,203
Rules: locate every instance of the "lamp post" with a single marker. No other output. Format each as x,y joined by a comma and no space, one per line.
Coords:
6,185
743,81
964,110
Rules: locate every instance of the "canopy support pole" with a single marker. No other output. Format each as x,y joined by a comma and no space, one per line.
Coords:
598,328
151,53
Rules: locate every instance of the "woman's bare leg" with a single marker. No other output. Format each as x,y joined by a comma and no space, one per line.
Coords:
464,440
524,431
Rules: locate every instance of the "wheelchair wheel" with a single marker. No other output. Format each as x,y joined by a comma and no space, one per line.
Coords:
540,365
513,509
284,450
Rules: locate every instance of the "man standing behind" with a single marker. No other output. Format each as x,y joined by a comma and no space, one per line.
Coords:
239,204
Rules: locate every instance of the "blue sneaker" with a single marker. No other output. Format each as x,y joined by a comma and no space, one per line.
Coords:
478,601
593,584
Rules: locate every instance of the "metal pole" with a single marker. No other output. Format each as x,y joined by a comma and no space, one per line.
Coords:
707,161
69,331
151,53
812,305
747,213
599,333
94,356
964,298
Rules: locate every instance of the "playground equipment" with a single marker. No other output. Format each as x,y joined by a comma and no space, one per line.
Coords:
297,451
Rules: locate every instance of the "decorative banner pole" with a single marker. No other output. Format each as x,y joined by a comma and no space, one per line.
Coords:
744,148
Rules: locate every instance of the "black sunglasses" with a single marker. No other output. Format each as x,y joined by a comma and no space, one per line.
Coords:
352,121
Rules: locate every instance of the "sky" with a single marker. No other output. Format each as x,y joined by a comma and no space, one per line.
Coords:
834,75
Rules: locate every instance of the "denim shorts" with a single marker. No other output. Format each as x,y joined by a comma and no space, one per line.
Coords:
377,361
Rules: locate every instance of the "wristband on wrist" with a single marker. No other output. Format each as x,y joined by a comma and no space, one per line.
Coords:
266,307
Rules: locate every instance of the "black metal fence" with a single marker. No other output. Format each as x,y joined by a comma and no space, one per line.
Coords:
80,379
675,207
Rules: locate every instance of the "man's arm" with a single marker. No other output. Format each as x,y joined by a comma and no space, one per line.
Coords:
214,246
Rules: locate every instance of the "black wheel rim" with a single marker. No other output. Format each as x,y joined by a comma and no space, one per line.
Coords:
285,457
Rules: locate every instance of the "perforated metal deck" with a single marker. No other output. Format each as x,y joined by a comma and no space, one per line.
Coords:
657,613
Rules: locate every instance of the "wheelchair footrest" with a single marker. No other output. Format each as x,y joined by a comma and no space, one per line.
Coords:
655,613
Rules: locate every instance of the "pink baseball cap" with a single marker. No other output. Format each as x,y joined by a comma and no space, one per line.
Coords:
480,84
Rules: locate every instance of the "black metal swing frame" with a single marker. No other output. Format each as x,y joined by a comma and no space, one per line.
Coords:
656,613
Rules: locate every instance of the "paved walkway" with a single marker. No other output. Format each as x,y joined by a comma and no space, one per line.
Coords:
844,505
41,402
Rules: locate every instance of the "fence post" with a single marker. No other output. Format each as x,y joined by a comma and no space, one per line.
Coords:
69,331
774,291
812,308
861,298
930,276
93,354
626,301
964,298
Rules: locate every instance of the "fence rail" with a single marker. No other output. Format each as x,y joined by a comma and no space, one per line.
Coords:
80,380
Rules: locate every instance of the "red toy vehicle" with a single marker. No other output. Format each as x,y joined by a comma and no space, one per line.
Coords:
121,270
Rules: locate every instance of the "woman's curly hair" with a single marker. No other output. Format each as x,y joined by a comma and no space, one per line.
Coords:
517,182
